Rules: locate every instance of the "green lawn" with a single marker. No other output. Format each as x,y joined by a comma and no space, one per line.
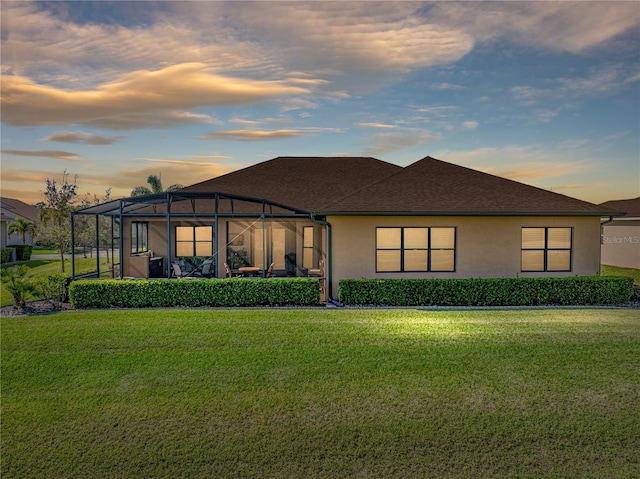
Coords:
324,393
634,273
43,267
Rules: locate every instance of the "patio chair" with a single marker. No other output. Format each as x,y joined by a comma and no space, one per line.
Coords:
177,271
231,273
269,271
207,266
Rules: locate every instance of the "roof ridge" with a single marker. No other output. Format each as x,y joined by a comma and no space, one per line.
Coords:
355,192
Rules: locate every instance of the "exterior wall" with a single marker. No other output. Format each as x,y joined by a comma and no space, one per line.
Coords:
157,244
486,246
621,244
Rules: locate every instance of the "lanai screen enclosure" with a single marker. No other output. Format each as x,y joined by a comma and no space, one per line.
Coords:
202,234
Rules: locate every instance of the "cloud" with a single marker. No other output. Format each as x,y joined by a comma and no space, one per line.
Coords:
470,125
134,100
375,125
559,26
447,86
298,104
81,137
598,82
533,164
212,157
259,135
338,36
244,121
172,172
55,154
383,143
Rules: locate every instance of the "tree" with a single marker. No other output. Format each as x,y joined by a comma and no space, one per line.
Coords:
86,226
156,187
22,227
55,213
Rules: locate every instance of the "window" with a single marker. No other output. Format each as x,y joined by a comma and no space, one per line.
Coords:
139,237
194,240
546,249
307,247
413,249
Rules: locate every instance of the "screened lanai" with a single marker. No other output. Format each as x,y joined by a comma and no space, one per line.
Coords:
203,235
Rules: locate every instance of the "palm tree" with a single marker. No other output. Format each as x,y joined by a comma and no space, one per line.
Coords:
21,227
156,187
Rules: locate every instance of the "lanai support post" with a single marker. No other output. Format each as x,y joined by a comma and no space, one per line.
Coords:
98,244
168,235
73,248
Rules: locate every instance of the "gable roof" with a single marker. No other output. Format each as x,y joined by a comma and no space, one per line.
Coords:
630,207
306,183
431,186
12,208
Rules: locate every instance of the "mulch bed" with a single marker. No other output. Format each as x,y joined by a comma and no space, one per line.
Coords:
34,308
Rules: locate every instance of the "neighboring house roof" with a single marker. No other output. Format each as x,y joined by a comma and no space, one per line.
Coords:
12,208
307,183
630,207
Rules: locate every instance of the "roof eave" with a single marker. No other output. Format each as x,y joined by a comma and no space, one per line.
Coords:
462,213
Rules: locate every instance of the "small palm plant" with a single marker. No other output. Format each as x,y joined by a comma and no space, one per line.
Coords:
16,281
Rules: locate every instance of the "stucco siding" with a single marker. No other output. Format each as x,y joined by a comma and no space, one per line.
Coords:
621,244
486,247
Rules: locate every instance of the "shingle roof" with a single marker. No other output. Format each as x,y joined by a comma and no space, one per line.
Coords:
12,208
352,185
306,183
436,187
631,206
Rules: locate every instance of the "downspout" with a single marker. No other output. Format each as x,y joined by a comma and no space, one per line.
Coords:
329,257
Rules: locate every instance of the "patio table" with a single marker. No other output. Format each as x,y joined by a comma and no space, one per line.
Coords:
249,270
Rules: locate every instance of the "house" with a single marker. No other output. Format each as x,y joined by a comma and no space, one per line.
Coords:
621,235
346,217
10,209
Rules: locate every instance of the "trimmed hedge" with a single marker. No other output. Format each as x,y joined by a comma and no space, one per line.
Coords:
577,290
194,293
5,255
23,252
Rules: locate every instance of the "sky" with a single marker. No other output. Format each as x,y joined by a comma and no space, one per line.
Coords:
546,93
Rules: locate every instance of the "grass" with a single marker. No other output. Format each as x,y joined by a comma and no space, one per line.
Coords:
322,393
634,273
43,267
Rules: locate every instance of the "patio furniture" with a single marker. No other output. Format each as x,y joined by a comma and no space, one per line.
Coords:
249,270
177,271
269,271
207,267
231,273
317,272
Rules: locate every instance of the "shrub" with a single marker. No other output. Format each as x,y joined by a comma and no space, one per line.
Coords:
23,252
487,292
5,255
17,284
194,293
54,287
